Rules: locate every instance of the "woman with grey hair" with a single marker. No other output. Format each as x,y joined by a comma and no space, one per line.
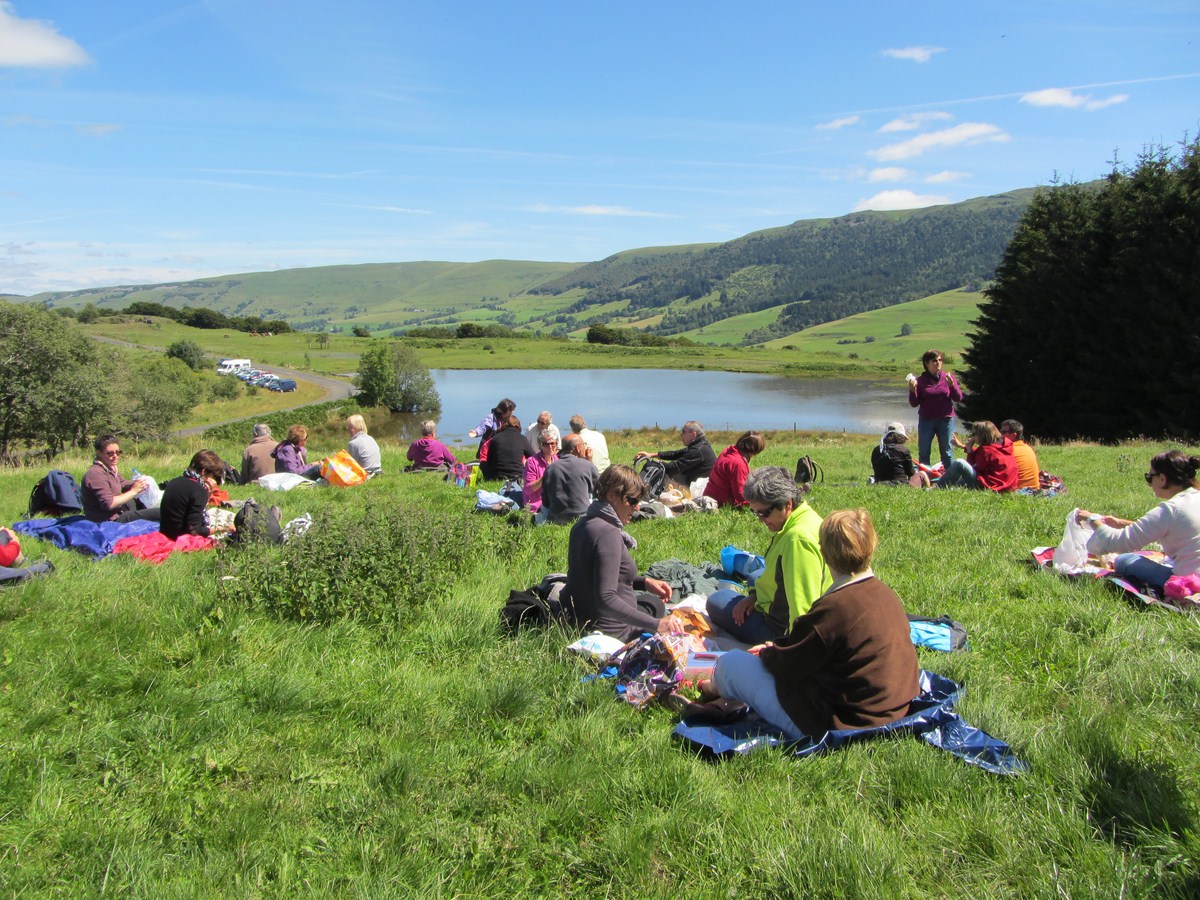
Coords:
428,452
795,574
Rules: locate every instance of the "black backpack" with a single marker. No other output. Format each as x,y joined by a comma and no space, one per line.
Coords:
255,525
539,605
808,472
654,473
55,495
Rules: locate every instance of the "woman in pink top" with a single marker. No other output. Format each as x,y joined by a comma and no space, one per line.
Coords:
535,468
729,472
933,393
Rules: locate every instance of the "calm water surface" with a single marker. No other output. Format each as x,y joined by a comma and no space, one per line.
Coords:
632,398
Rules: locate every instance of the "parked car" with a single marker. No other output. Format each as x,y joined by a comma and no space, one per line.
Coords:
284,384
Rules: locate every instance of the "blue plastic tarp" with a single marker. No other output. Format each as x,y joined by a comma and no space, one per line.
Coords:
932,717
83,535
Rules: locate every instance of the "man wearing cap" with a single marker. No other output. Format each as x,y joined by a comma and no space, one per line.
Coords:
892,461
256,458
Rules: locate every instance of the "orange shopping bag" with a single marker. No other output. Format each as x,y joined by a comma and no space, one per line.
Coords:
342,470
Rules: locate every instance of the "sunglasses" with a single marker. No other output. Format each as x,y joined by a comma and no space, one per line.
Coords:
765,513
112,452
633,500
1150,476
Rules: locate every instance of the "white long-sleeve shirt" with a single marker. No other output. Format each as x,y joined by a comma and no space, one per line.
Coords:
1174,523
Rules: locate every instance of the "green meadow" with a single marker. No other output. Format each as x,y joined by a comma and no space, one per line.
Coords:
342,716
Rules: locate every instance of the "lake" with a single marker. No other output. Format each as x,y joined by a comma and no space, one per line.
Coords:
633,398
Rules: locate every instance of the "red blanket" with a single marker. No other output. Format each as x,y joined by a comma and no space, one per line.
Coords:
156,546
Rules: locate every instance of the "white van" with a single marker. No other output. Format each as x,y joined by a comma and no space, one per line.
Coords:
229,366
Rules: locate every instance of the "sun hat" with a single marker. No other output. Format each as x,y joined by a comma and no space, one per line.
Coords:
897,427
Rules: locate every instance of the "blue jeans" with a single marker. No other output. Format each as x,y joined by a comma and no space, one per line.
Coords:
926,429
1138,569
958,474
755,630
742,676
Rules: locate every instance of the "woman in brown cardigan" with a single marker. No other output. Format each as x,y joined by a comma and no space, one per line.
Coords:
847,663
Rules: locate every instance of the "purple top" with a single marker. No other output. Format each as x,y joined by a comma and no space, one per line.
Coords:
290,457
429,453
935,397
535,468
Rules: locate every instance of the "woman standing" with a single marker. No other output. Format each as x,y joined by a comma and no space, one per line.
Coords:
1174,523
601,575
933,393
727,479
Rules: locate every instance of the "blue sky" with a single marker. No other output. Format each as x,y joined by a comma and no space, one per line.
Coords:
147,141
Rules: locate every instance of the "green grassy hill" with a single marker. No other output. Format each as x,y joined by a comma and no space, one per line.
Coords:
941,322
753,289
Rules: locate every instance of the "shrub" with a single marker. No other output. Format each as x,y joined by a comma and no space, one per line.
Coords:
375,562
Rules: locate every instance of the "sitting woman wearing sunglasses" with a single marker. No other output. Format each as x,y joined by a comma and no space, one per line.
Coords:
1174,523
795,575
602,589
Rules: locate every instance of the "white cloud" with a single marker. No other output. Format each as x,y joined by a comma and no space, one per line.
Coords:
28,43
99,129
835,124
593,210
916,54
1067,99
885,200
968,133
888,173
946,177
913,121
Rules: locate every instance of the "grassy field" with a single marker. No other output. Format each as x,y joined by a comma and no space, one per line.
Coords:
300,351
941,321
343,716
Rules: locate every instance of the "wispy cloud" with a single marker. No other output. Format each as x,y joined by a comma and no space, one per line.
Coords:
1068,99
619,211
888,173
885,200
946,177
915,54
835,124
968,133
391,209
32,44
913,121
99,129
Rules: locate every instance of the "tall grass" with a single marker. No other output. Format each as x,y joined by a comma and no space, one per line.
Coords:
165,733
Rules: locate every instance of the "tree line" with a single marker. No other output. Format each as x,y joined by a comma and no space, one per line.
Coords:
1089,329
184,315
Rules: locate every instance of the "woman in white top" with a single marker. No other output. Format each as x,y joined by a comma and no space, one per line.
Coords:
1174,523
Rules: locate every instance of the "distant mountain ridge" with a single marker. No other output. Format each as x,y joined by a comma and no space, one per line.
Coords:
798,275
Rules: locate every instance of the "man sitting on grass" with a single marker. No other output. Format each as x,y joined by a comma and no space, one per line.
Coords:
694,460
1027,461
568,484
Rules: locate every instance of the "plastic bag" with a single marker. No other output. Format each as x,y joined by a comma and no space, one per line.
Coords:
1072,552
342,470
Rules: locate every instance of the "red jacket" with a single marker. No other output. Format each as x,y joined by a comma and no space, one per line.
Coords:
727,478
995,466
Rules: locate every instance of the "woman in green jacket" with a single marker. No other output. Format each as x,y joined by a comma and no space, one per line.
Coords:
795,574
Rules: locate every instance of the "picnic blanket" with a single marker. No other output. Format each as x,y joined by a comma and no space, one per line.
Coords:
82,535
932,718
1043,558
155,546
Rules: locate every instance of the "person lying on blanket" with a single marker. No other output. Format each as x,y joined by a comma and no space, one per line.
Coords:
1174,523
795,574
185,498
846,663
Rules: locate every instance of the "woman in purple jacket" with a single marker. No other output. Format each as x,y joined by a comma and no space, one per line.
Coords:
934,393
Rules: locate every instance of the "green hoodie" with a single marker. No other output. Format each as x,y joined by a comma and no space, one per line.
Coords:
796,574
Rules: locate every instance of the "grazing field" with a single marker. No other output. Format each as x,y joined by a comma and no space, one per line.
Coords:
942,321
342,716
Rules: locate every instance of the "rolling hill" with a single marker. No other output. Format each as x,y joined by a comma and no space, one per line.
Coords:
757,288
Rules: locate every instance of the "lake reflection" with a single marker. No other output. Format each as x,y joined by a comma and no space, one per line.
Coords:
632,398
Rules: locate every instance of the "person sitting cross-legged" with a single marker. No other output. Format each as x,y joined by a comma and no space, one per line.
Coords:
847,663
